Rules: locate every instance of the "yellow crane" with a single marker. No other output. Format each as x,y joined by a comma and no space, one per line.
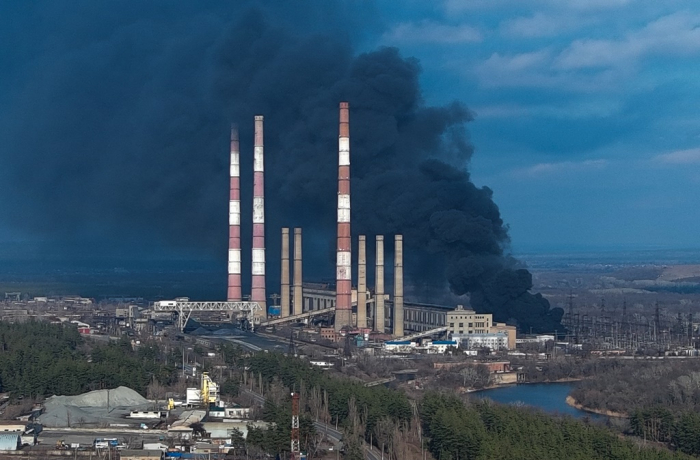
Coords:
209,389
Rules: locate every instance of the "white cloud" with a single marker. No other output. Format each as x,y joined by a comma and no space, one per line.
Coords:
538,25
675,34
588,64
558,168
536,69
460,6
432,32
680,157
550,23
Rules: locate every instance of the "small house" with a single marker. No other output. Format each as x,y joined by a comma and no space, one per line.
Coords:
10,441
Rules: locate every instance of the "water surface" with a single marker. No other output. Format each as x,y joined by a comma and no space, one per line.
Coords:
549,397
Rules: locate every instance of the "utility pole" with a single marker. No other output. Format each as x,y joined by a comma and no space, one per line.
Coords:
292,348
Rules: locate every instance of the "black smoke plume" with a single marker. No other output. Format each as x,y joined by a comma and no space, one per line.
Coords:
114,131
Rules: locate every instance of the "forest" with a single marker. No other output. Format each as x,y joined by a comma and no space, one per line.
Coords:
661,398
450,428
42,359
376,413
484,430
626,385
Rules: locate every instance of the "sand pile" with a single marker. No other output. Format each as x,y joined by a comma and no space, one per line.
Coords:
92,408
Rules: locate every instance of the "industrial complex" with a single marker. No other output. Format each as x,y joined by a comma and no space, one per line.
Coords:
350,305
334,325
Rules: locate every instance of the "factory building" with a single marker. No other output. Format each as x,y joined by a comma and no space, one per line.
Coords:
419,317
463,323
494,341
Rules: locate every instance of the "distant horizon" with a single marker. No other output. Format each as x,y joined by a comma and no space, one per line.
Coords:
24,250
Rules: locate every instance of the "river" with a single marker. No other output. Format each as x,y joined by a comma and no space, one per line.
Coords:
550,397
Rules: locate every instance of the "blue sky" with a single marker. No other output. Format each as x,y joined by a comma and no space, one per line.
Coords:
587,112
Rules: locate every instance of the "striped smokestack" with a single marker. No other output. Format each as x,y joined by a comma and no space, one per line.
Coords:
258,268
284,281
361,283
379,287
398,286
234,222
343,295
298,288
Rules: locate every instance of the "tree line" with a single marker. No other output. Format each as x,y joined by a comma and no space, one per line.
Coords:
484,430
630,384
448,427
43,359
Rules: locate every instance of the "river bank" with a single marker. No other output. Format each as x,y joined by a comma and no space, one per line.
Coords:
608,413
495,386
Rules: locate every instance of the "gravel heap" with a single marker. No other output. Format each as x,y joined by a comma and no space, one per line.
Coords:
99,407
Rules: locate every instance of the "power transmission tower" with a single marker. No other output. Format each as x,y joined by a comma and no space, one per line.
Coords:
571,324
295,444
657,323
691,330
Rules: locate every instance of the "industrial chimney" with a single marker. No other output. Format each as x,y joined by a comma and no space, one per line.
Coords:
258,268
379,287
398,286
284,279
298,288
234,222
343,295
361,284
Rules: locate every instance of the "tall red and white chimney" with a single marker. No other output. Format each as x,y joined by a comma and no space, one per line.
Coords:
343,295
258,268
234,222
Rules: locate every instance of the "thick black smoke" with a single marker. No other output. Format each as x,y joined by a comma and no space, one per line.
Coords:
115,131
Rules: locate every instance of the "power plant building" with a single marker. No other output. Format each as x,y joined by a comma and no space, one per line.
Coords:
463,324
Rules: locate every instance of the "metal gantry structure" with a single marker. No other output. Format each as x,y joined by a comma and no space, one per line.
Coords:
184,309
294,318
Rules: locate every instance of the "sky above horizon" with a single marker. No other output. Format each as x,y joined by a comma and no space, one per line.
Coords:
586,123
586,112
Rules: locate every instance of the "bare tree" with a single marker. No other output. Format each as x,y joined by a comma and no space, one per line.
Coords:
155,390
315,402
384,432
277,393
